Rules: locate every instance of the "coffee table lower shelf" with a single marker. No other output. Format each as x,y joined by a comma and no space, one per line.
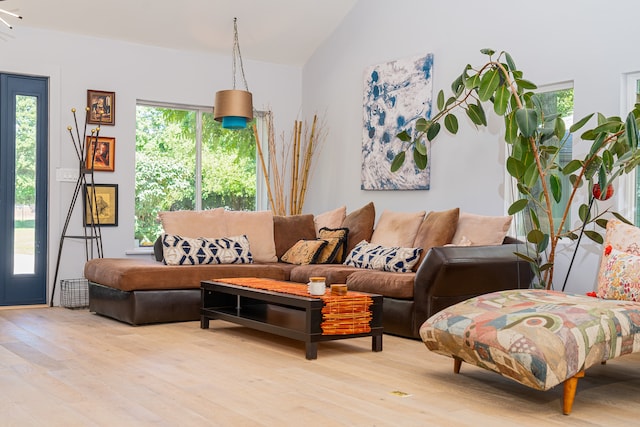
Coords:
290,316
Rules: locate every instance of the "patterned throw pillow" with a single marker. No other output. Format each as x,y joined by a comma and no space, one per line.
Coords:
619,276
336,243
179,250
376,257
304,252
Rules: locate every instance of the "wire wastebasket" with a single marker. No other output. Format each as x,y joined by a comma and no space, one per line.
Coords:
74,293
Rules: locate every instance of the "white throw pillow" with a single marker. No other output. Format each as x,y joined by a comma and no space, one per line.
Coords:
480,230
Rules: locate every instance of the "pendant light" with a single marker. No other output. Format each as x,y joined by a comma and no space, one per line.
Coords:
234,107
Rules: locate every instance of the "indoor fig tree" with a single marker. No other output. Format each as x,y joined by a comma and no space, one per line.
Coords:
534,140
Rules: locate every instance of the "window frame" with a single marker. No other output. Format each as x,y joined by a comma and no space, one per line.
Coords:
627,202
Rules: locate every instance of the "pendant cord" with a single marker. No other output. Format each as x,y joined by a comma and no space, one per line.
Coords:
236,54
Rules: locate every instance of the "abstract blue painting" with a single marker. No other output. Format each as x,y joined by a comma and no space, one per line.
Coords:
396,94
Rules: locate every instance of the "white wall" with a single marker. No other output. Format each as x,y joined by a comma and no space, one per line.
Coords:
591,43
75,64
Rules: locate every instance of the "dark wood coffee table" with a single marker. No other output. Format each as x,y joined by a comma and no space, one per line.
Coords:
288,315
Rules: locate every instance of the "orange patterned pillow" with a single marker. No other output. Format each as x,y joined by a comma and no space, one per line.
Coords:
304,252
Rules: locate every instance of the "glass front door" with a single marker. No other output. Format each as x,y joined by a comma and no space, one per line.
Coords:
23,189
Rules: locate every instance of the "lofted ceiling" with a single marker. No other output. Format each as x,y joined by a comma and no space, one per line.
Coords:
278,31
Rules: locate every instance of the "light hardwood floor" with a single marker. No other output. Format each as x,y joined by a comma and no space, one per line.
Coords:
61,367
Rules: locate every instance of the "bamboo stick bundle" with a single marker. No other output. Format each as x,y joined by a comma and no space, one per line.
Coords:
295,160
306,165
278,185
264,168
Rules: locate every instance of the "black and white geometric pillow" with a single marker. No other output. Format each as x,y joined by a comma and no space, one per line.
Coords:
376,257
179,250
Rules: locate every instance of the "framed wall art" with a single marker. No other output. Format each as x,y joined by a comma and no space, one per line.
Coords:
101,153
102,107
101,205
396,94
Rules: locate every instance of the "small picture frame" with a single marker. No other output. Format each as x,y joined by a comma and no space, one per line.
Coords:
100,205
101,107
101,153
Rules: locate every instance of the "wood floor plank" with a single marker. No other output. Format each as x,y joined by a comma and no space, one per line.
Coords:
70,367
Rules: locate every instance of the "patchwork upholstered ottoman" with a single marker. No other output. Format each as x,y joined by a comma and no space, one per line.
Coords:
538,338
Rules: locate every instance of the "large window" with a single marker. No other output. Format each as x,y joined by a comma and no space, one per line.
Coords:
554,101
186,160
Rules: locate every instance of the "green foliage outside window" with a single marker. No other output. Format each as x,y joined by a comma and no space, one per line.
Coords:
166,166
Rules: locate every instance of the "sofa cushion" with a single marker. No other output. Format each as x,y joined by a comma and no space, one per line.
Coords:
388,284
437,229
360,224
333,273
619,276
287,230
207,223
481,230
377,257
258,227
304,252
397,228
178,250
336,243
129,274
330,219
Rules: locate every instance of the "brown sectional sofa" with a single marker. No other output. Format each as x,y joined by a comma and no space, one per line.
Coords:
147,291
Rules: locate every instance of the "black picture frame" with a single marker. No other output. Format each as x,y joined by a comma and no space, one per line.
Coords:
101,204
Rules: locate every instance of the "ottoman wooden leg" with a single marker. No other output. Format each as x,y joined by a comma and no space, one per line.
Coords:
570,386
457,363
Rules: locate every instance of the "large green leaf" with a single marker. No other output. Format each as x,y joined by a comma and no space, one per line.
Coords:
476,114
510,62
511,128
433,131
515,167
420,159
451,123
631,131
487,51
583,213
422,124
457,86
597,144
526,84
535,236
560,128
556,187
501,100
472,82
580,123
397,161
440,100
531,175
404,136
420,147
527,120
572,166
517,206
488,84
594,235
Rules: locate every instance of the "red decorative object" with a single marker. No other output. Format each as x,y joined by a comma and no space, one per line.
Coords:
592,294
597,192
607,250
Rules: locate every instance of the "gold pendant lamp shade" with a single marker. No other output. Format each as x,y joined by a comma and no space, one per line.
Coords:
234,107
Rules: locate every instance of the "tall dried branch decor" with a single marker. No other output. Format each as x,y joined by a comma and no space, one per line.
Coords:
534,142
295,156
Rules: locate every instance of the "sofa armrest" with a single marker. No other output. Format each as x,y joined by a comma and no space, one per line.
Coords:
450,274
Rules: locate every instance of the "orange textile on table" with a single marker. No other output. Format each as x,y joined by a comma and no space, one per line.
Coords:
341,314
